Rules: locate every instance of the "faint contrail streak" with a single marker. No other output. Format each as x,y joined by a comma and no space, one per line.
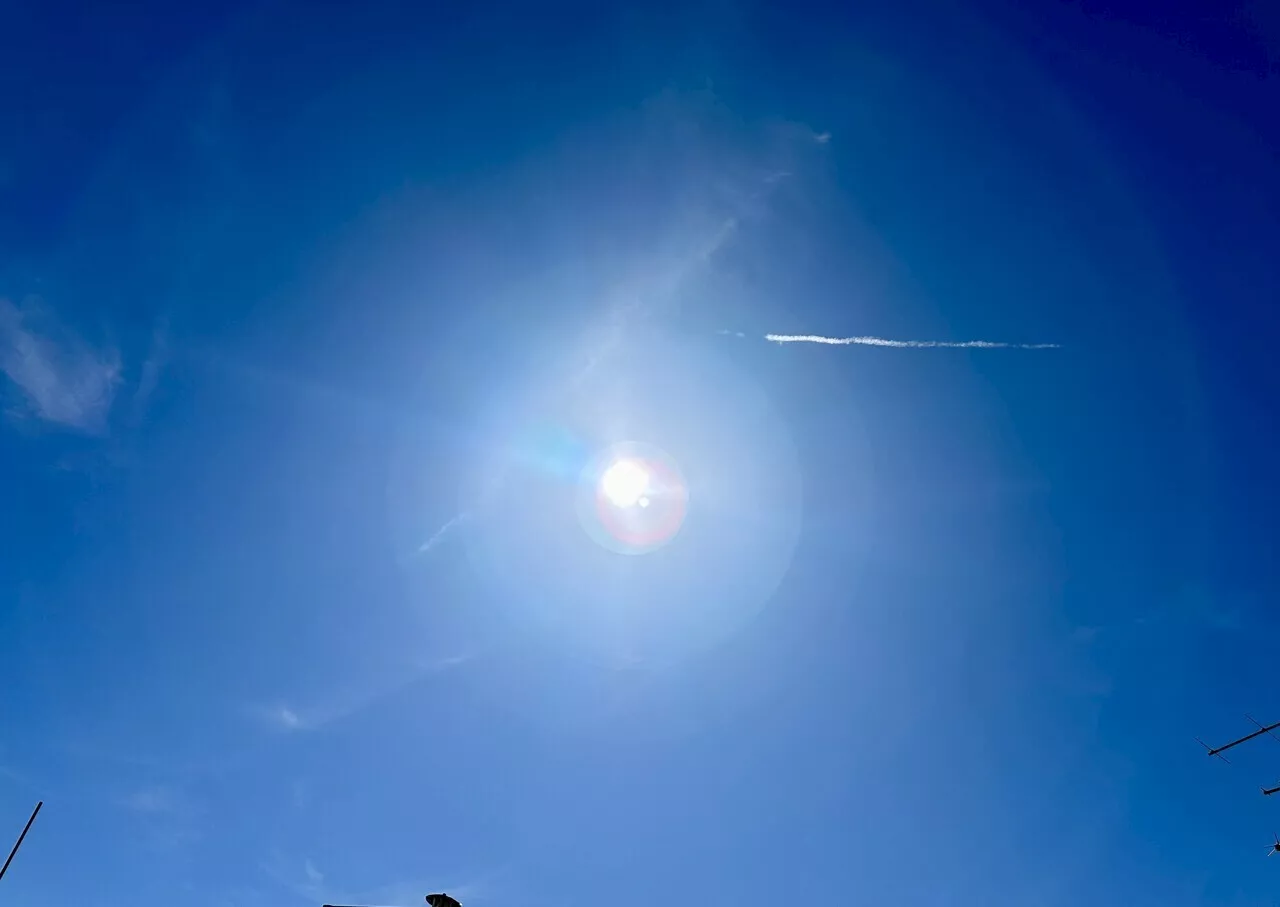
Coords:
909,344
439,534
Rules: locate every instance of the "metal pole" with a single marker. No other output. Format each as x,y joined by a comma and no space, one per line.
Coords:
35,812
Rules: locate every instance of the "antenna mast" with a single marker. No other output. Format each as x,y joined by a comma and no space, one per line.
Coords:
35,812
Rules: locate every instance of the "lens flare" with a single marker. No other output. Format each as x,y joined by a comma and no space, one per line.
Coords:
632,498
625,483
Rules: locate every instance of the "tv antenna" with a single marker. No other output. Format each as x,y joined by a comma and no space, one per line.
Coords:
26,828
1269,730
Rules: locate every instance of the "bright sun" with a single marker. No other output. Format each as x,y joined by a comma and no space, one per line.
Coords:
624,483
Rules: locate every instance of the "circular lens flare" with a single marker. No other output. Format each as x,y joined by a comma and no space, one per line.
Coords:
633,498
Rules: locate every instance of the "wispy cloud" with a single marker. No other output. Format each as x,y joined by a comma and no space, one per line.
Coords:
285,718
720,177
314,876
168,819
294,719
439,535
9,774
64,380
1085,634
908,344
154,364
153,800
309,883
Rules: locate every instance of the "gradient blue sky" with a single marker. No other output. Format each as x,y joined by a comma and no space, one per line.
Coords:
287,288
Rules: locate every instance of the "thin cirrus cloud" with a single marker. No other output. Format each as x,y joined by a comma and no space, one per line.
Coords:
290,719
307,882
63,379
152,366
649,280
286,718
438,536
159,799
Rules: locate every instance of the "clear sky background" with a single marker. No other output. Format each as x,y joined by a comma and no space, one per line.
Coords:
310,315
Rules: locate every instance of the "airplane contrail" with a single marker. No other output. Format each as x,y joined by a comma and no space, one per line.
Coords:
439,534
910,344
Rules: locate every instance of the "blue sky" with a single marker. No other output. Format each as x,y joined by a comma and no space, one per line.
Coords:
312,317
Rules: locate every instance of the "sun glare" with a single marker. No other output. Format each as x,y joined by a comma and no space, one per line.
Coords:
624,483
